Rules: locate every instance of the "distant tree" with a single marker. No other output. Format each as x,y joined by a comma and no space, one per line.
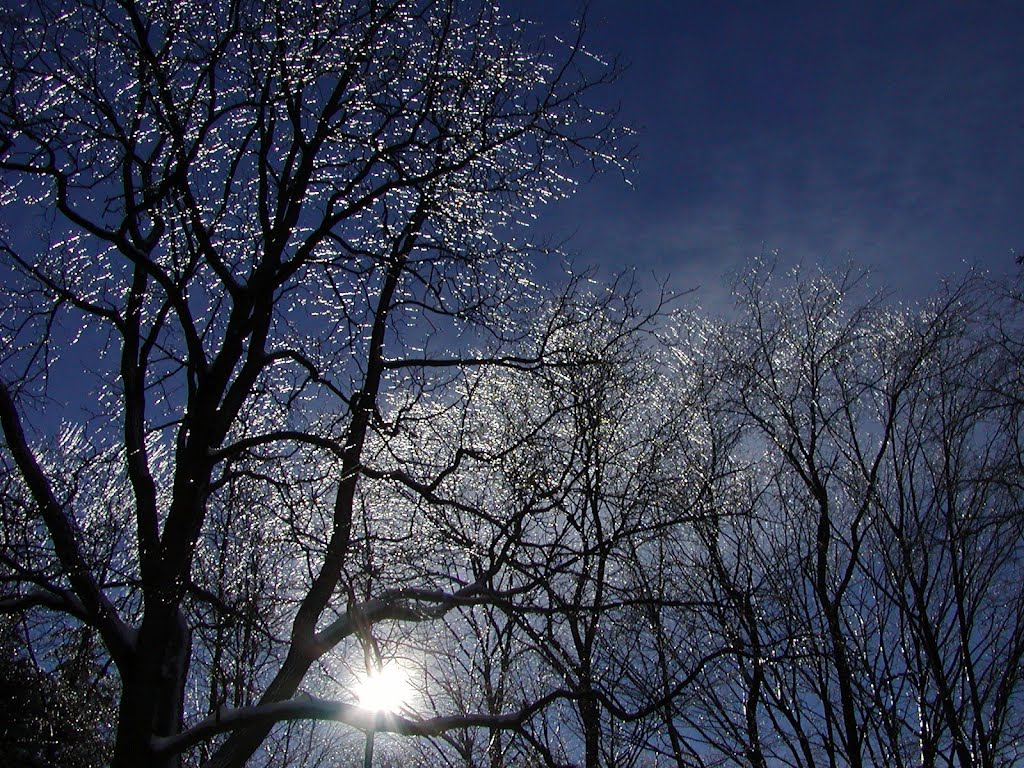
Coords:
575,459
277,227
951,535
860,568
606,461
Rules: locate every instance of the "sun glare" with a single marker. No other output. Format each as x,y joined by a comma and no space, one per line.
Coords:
385,691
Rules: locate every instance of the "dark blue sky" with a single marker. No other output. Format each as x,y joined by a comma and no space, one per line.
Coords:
890,134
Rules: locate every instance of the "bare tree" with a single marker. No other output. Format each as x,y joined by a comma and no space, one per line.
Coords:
864,584
583,449
951,536
606,458
277,226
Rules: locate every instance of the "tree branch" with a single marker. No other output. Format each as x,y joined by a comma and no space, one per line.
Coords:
116,634
310,708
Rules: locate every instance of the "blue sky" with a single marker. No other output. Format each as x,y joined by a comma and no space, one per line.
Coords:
887,134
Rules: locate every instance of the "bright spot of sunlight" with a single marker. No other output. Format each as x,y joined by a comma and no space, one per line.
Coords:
386,690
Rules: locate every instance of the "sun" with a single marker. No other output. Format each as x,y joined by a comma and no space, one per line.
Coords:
385,690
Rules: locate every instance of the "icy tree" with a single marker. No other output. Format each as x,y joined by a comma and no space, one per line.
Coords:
272,227
860,567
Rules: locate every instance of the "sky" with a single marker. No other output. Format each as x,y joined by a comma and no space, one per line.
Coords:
889,135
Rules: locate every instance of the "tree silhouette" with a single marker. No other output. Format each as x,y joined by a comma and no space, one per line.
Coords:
278,227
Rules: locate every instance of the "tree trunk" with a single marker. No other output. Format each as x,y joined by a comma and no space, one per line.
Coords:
153,692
